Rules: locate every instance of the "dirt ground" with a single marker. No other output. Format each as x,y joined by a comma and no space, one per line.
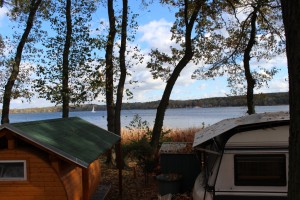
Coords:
135,185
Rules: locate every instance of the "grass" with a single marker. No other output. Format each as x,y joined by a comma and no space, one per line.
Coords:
173,135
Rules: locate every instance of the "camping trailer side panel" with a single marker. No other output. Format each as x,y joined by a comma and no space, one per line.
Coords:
238,177
252,165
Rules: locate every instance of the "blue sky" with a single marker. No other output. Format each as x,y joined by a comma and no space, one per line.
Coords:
154,32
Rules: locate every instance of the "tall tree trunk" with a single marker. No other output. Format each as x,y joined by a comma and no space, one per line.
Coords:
109,81
120,91
188,55
291,19
34,5
123,69
65,75
248,75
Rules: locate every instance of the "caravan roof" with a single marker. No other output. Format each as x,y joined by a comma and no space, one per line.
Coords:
265,138
250,121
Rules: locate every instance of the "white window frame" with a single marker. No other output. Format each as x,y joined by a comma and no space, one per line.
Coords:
24,178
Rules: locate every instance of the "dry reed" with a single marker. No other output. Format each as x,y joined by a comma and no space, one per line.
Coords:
174,135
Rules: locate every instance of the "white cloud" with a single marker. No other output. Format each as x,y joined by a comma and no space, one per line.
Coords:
279,61
157,34
139,72
278,84
186,73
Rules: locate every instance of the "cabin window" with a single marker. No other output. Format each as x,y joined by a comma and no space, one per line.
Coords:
260,170
13,170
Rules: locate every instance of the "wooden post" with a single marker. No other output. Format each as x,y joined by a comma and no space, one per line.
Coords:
85,184
120,167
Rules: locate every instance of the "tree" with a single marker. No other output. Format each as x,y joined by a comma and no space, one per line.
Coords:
109,72
247,57
291,19
15,64
122,65
116,70
65,64
120,89
182,29
254,31
67,73
116,66
109,67
123,68
2,45
13,2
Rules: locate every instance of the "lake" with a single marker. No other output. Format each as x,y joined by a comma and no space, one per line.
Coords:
174,118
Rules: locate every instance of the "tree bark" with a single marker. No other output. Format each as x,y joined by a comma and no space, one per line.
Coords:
123,69
17,60
188,55
291,19
248,75
120,91
65,75
109,72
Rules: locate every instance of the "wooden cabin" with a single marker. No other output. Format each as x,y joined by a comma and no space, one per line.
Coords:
54,159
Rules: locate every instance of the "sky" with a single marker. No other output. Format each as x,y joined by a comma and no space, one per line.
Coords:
154,32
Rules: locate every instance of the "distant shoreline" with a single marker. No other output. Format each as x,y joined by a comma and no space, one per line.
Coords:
267,99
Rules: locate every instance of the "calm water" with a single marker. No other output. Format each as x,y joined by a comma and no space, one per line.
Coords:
175,118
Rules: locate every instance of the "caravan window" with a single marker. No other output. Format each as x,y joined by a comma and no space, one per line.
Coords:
260,170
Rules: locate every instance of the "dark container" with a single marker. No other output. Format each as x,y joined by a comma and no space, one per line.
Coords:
169,183
179,158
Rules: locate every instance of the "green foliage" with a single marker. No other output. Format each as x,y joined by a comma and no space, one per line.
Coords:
83,75
140,148
225,45
19,14
134,52
2,45
162,64
139,126
141,151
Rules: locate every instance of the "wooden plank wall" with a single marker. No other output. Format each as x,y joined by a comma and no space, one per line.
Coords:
94,171
72,182
42,182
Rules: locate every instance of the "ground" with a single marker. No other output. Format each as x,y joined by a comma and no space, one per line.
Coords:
135,185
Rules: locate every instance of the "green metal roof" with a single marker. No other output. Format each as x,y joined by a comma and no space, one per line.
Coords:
72,138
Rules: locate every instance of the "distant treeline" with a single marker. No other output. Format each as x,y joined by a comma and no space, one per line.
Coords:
268,99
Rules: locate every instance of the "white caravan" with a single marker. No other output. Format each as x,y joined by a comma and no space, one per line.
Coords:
244,158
